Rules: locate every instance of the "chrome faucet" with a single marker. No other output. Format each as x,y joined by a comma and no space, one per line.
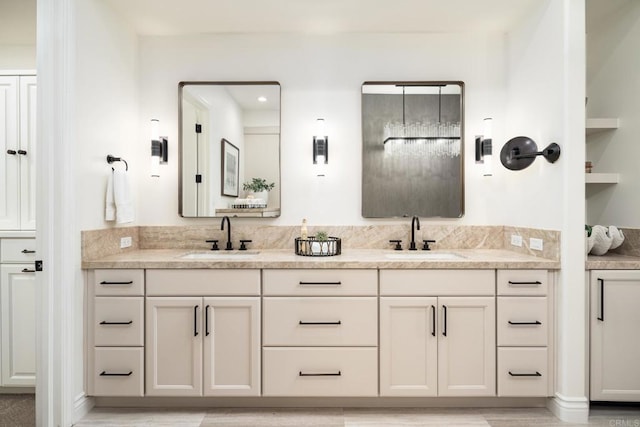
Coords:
229,244
415,221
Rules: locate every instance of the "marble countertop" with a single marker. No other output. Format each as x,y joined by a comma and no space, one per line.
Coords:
612,262
350,258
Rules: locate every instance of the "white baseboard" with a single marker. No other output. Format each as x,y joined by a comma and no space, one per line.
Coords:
81,406
570,409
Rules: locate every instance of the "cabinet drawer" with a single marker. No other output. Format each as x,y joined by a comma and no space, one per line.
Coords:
344,371
320,282
118,372
437,282
522,372
523,282
17,250
522,321
314,321
118,321
203,282
119,282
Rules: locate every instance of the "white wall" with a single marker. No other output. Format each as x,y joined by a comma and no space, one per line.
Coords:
17,57
106,122
613,87
320,77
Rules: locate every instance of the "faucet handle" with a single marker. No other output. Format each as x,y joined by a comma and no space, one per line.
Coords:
243,247
398,246
425,246
214,246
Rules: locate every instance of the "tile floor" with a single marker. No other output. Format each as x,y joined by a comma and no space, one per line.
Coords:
17,410
366,417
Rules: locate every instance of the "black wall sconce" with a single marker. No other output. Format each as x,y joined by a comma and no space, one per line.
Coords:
159,148
484,150
520,152
320,144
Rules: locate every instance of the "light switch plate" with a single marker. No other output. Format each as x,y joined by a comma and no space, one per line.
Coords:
125,242
516,240
535,244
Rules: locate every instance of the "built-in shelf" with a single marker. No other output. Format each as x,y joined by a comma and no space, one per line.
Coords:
250,212
601,178
601,124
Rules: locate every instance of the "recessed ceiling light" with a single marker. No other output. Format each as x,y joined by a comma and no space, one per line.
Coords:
262,99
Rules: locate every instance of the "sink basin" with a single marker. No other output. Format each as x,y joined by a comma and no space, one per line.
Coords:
424,256
222,255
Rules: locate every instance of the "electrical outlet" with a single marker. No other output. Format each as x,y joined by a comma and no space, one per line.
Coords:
516,240
535,244
125,242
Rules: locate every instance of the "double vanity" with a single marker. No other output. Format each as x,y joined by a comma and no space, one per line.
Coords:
367,323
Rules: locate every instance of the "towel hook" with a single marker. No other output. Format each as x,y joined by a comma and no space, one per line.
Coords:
111,159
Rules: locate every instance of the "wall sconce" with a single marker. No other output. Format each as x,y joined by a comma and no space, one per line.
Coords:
320,144
484,150
159,148
519,152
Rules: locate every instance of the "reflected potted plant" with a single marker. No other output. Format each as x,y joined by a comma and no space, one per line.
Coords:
258,188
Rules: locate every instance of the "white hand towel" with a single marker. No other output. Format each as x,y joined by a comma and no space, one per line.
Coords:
122,195
110,204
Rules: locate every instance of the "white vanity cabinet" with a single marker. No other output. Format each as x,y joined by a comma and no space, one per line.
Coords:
320,332
437,333
17,152
203,333
17,313
525,333
615,347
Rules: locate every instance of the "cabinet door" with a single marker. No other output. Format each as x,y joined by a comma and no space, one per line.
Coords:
9,163
615,348
18,325
467,346
232,346
27,153
173,346
408,346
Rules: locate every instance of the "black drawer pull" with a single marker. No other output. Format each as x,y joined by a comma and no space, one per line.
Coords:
302,322
12,152
537,374
536,283
206,321
195,320
104,322
325,374
27,270
444,326
433,320
535,322
115,374
104,282
601,317
320,283
27,251
23,152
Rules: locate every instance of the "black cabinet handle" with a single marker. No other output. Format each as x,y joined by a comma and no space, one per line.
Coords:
27,251
115,374
12,152
535,322
28,270
601,318
537,374
444,327
433,320
536,283
195,320
22,152
320,283
325,374
104,322
301,322
206,321
130,282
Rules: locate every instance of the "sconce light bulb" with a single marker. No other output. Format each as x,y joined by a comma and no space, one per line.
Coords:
488,128
155,131
488,165
320,129
155,166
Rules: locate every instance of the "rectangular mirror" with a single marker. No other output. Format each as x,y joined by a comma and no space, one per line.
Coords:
412,149
229,149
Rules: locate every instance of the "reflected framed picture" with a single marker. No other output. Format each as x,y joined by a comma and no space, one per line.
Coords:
230,169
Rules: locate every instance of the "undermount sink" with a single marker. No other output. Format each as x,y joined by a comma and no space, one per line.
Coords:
424,256
222,255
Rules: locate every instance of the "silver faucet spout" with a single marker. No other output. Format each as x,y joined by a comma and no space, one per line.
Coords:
229,243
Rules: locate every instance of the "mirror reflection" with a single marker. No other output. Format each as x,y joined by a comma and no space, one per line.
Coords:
229,149
412,136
